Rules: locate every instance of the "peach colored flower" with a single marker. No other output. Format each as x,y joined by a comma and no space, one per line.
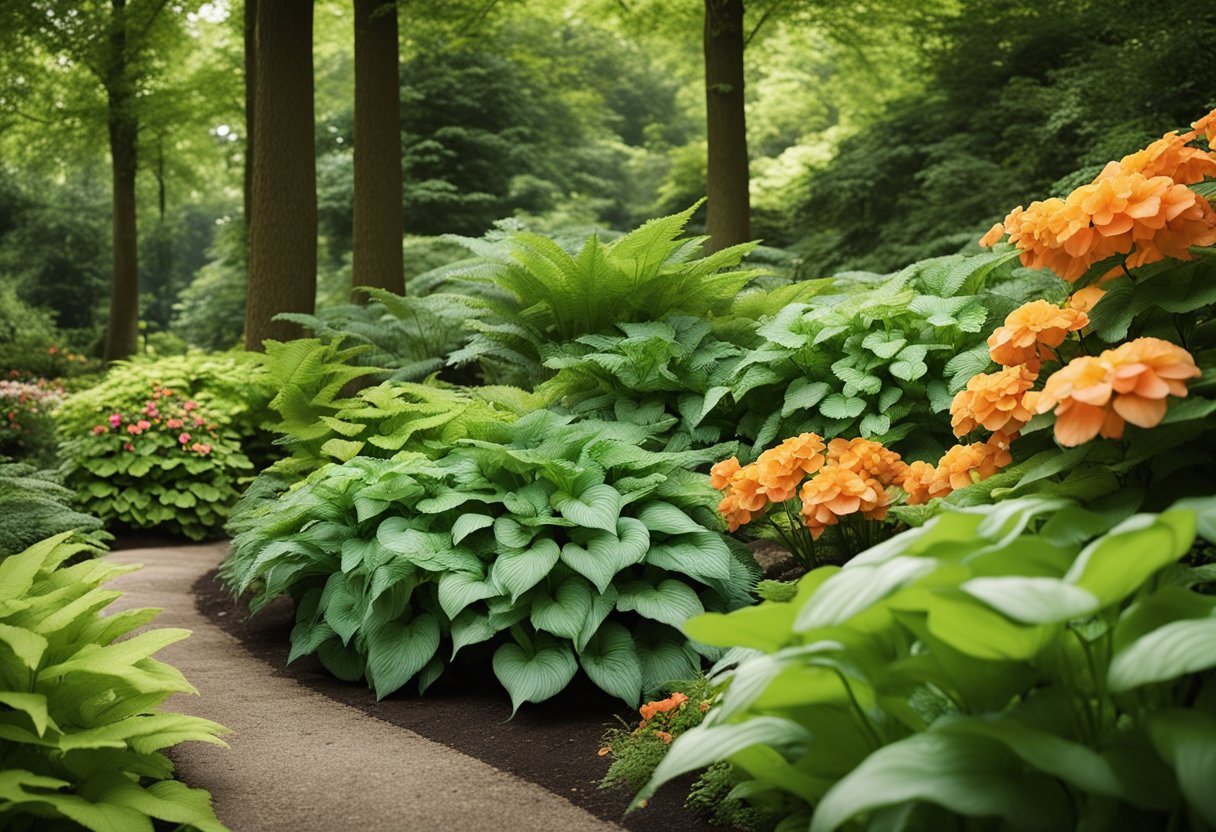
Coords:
866,458
1083,300
1080,392
1031,332
995,401
804,450
1146,371
963,465
834,492
993,235
734,514
1170,157
922,483
1206,126
720,474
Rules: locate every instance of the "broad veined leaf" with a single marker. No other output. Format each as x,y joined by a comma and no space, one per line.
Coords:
703,555
972,628
471,627
608,553
1114,566
396,651
837,406
1170,651
803,394
457,590
660,516
671,602
466,524
1033,600
344,662
536,675
28,646
1187,741
856,587
343,605
565,613
663,655
767,626
601,606
610,661
884,344
512,534
701,746
514,573
967,775
597,507
32,705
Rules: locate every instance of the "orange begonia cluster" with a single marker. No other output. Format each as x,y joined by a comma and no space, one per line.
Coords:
1139,206
1130,383
1000,402
958,468
851,477
1032,332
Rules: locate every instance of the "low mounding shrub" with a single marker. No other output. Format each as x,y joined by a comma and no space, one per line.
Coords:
27,426
36,506
165,444
558,543
1029,665
80,711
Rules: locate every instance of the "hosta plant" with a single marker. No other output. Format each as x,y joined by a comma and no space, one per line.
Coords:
555,544
1031,665
81,721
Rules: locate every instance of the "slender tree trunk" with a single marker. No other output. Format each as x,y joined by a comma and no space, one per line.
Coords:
122,334
251,17
378,223
283,238
729,210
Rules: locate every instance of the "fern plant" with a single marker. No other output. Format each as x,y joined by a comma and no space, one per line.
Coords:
35,506
80,711
556,297
556,543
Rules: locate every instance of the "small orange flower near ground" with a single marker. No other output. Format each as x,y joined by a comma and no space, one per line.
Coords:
650,709
1032,332
664,736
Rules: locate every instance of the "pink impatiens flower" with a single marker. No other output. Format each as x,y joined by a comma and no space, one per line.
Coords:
134,430
173,424
184,438
115,420
99,429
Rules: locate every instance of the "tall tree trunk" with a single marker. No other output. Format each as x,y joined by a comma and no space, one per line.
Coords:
122,334
729,210
378,224
283,238
251,70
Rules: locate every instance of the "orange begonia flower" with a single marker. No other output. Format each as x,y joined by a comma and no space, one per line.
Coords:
867,458
782,469
1031,332
922,483
993,235
1206,126
996,401
650,709
1083,300
837,491
735,515
720,474
1170,157
963,465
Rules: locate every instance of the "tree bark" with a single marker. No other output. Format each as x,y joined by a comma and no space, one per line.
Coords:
729,210
283,238
251,69
122,333
378,223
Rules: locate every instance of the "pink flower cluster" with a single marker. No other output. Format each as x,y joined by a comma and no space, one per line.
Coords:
165,410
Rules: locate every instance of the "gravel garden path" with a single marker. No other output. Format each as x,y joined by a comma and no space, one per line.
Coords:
302,762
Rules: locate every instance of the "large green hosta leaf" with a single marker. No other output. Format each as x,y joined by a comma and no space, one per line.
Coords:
609,659
537,674
396,651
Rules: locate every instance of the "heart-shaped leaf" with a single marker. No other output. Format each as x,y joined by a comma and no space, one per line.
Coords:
537,675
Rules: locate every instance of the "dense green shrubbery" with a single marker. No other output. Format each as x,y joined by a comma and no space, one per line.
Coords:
27,425
1034,661
36,506
80,710
166,444
550,539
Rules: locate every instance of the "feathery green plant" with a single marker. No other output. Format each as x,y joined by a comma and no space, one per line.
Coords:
556,297
80,710
35,506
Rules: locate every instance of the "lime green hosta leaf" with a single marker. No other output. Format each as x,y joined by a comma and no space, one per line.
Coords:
1176,649
857,587
341,449
1115,566
169,801
17,571
671,602
515,572
1033,600
396,651
534,676
565,613
459,589
766,627
28,646
704,745
609,659
966,775
1187,741
115,659
32,705
597,507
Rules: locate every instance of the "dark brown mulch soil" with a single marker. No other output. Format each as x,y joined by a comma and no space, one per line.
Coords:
553,744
